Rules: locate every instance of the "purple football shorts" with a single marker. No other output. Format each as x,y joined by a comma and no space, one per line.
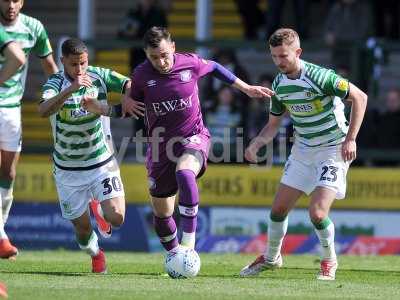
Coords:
161,166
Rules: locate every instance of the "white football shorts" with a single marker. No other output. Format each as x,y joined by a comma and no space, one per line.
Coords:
76,188
308,168
10,129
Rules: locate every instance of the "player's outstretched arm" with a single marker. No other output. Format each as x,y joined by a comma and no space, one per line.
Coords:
358,107
253,91
228,77
49,106
263,138
15,58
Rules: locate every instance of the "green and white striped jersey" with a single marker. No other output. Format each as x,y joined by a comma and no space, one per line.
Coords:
314,102
79,138
4,39
30,34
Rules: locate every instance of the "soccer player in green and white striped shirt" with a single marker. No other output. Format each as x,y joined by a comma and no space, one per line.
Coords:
84,166
31,36
14,58
325,145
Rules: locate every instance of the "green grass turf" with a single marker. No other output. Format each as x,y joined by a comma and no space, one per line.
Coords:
62,274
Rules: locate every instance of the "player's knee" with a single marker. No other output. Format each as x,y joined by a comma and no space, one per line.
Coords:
163,211
317,215
119,220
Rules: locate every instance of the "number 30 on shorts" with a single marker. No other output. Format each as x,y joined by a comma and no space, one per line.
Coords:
110,184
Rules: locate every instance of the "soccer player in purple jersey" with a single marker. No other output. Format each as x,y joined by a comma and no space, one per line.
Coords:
178,140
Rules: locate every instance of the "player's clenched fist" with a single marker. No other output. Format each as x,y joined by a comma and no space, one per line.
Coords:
251,153
94,106
81,80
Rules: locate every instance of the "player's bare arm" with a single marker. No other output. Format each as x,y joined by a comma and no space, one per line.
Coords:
359,103
14,59
253,91
52,105
228,77
265,136
49,66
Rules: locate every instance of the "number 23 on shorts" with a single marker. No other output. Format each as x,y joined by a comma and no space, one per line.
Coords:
329,173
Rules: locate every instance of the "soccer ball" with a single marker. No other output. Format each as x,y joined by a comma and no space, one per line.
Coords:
183,263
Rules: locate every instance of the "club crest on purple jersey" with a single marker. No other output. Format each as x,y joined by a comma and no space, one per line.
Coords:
186,75
151,83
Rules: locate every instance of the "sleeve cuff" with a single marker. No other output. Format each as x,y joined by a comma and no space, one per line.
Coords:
276,114
44,56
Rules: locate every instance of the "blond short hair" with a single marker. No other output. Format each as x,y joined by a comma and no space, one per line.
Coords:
284,36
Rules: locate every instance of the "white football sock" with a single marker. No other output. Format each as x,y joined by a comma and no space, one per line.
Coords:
327,239
92,248
3,234
276,233
7,200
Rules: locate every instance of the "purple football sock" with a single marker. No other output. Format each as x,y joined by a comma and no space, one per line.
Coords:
188,199
166,231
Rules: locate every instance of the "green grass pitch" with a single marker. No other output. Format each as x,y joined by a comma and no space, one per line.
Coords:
62,274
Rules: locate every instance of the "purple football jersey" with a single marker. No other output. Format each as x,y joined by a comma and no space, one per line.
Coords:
172,99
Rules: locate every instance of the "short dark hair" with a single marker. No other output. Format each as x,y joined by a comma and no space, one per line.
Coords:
73,46
285,36
153,37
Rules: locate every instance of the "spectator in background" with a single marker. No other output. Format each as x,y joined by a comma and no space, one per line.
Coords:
380,133
258,110
347,23
227,58
274,15
137,21
252,17
388,130
223,120
386,18
165,5
368,134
